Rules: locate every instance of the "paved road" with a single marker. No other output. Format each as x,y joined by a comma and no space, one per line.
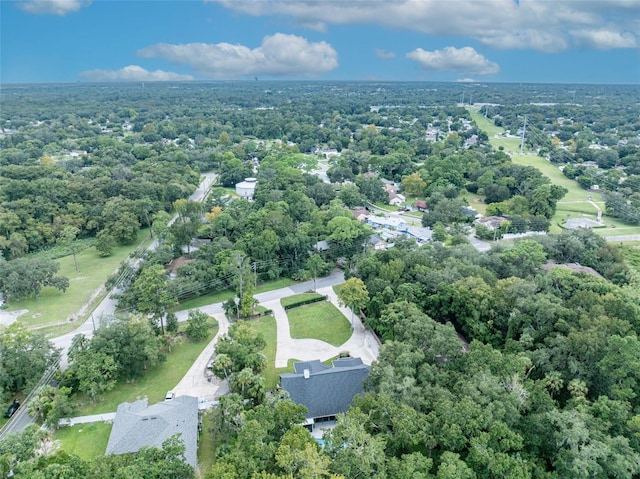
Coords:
199,382
622,238
107,307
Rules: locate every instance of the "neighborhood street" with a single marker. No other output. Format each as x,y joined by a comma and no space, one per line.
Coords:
200,383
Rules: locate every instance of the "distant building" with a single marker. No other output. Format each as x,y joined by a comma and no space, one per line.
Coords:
324,390
247,188
421,205
382,222
420,234
138,425
377,243
396,199
491,222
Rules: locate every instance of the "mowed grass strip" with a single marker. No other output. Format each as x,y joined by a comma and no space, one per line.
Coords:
154,384
575,204
54,306
322,321
207,444
84,440
266,325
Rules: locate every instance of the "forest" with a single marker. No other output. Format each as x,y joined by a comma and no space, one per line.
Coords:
523,361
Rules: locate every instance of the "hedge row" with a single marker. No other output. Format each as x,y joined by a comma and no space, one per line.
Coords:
304,301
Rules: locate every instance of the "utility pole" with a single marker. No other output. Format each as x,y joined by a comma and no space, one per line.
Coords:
524,129
255,275
240,259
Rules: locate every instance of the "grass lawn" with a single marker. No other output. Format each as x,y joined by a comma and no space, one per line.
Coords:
476,202
298,298
321,321
84,440
385,206
221,296
206,444
54,307
575,203
154,384
266,325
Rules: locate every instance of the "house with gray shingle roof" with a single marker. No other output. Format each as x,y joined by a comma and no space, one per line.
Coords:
325,390
139,425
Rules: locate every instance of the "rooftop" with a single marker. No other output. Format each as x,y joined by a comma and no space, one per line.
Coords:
325,390
139,425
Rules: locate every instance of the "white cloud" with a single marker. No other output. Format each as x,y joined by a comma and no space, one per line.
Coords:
605,39
52,7
450,59
384,54
279,55
524,24
466,80
132,73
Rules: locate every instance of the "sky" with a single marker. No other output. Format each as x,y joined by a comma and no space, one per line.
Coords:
551,41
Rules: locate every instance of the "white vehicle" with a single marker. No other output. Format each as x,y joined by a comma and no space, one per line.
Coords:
169,396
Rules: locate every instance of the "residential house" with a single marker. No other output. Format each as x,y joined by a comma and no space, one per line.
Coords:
382,222
139,425
360,214
377,243
420,234
325,390
491,222
421,205
396,199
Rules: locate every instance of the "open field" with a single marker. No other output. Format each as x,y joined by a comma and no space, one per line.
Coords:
84,440
154,384
55,308
575,203
476,202
321,321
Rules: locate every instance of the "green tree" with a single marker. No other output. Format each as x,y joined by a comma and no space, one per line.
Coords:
67,238
24,277
152,294
24,356
351,196
94,371
414,185
299,455
244,349
51,404
315,267
452,467
19,448
353,294
353,451
105,243
198,324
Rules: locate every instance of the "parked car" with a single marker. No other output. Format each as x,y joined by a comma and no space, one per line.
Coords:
13,408
169,396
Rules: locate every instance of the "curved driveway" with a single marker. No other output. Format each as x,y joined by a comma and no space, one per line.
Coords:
362,343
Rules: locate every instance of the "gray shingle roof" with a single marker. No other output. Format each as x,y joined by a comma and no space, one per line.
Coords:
137,425
328,390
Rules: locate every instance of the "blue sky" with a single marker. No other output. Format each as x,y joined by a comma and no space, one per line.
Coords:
586,41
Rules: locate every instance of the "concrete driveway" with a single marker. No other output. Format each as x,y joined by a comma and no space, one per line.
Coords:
361,344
